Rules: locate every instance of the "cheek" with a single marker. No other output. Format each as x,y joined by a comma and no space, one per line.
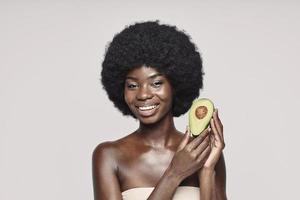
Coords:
165,94
127,97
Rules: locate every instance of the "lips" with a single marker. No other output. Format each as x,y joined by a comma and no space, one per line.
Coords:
148,104
147,110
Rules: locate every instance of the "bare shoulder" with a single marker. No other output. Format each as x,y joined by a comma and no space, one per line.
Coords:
105,151
109,151
105,170
104,148
125,147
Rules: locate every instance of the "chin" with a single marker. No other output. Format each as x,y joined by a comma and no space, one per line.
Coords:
148,121
152,119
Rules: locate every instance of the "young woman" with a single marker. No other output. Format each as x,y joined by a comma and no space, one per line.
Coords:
153,72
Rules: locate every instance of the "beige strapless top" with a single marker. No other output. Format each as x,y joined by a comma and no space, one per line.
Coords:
181,193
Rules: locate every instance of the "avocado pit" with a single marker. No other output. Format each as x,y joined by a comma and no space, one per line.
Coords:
201,112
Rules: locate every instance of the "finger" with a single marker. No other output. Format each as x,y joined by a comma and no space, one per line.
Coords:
213,124
204,155
215,131
185,139
218,122
195,142
218,138
212,140
202,146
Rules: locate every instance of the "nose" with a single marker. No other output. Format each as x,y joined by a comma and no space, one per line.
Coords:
144,93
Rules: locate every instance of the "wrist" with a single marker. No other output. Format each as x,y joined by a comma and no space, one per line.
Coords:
207,170
173,176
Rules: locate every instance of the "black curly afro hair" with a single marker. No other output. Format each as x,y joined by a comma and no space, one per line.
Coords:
163,47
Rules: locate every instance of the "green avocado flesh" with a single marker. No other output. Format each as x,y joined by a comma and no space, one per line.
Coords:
200,114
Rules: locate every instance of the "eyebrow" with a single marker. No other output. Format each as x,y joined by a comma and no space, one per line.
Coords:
150,77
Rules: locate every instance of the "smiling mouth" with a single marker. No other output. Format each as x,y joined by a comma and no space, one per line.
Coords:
147,111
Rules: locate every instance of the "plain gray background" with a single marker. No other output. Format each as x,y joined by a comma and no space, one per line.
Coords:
53,110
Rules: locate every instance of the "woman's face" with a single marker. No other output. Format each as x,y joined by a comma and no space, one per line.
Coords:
148,94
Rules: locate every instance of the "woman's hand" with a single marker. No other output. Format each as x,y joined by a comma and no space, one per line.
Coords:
190,154
216,141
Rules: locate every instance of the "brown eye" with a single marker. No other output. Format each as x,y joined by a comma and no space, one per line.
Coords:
131,86
157,83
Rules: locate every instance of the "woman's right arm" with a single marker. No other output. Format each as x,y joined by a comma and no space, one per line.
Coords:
105,181
188,158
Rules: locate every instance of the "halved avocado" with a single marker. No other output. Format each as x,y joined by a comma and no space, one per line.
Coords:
200,114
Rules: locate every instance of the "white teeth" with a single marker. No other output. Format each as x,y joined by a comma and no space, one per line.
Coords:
147,107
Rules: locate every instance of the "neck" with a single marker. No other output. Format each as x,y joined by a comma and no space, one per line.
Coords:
158,135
